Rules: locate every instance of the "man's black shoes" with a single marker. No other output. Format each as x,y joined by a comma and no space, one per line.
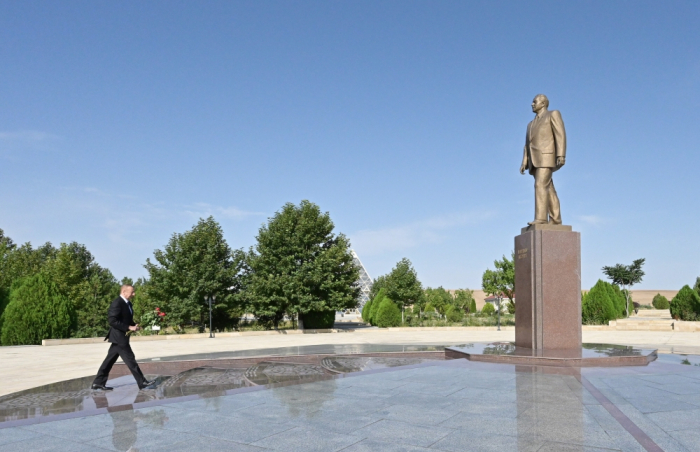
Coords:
101,387
145,384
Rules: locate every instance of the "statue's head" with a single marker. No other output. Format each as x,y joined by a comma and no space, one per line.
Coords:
540,102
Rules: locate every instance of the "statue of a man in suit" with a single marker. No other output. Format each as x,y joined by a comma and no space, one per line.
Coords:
544,153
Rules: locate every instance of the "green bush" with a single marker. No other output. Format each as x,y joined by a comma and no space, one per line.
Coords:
366,310
488,309
617,296
472,306
686,305
388,314
660,302
511,307
454,314
375,306
36,311
318,320
596,306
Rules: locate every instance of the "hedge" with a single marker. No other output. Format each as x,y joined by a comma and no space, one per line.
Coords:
488,309
454,314
318,320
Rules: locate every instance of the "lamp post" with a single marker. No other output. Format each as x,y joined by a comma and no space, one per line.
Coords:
211,299
498,298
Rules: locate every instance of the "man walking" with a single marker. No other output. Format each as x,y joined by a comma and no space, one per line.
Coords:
544,153
121,321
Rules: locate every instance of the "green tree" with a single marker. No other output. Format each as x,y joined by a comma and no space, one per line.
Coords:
366,310
696,287
388,314
194,265
626,276
472,306
89,286
439,298
500,281
686,304
375,306
299,266
660,302
402,285
463,299
377,285
596,306
37,310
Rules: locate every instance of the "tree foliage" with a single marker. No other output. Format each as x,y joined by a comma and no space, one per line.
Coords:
72,268
626,276
502,279
454,314
597,306
192,266
686,305
299,265
439,298
402,284
660,302
488,309
388,314
463,299
37,310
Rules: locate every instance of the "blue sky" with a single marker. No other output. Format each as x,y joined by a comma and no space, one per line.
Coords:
124,122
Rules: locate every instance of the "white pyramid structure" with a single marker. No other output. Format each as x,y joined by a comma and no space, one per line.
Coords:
365,281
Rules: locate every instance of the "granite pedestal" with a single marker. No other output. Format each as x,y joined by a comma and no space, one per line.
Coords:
548,288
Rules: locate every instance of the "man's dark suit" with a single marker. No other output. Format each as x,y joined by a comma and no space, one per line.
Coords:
120,318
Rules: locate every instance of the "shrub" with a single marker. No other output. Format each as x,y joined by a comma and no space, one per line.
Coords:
685,305
488,309
617,296
660,302
596,306
472,306
454,314
36,311
375,306
511,307
366,310
318,320
388,314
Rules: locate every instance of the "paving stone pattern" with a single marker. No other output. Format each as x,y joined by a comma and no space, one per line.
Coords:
442,405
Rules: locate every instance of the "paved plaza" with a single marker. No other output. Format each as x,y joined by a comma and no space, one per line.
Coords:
366,393
441,405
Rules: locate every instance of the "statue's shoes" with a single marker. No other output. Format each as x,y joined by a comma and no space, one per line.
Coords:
537,222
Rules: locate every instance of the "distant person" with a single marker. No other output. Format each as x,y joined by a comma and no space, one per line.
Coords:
121,321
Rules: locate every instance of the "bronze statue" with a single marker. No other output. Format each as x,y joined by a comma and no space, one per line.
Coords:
544,153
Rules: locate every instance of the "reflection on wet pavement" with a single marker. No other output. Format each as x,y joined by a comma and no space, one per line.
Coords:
369,403
74,396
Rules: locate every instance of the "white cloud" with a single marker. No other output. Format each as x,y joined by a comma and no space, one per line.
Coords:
203,210
593,220
433,230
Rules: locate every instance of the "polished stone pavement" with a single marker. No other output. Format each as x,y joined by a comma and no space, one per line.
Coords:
25,367
452,405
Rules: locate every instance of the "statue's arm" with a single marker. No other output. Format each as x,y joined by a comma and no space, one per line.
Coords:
559,134
524,165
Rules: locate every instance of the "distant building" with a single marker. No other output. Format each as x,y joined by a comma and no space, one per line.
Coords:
365,281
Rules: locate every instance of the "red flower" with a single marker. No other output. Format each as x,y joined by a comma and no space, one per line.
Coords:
162,314
158,309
